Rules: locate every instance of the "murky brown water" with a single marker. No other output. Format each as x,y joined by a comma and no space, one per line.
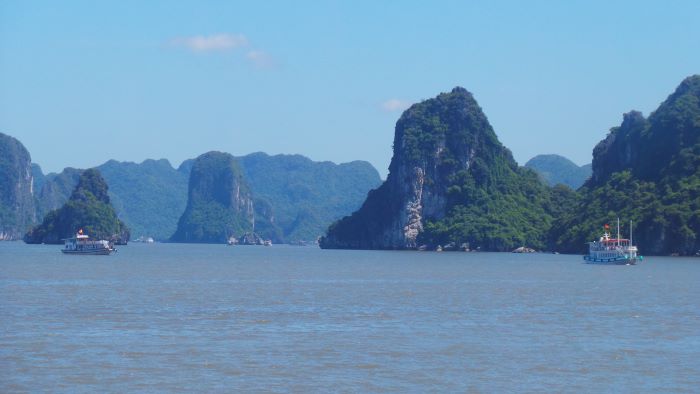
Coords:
208,318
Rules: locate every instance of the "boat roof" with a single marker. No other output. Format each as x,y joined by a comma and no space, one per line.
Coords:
78,236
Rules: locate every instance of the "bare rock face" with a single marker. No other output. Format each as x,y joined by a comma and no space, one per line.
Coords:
414,209
17,210
440,145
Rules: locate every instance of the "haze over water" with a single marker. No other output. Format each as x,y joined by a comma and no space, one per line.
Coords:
203,318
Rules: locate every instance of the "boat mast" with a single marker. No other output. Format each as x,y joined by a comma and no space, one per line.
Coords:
631,233
618,231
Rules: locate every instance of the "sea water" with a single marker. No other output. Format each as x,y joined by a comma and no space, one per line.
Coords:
214,318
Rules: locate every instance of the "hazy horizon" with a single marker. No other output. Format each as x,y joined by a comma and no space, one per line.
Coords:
84,83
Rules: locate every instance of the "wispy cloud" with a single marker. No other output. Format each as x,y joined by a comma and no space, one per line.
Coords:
211,43
394,104
260,59
226,42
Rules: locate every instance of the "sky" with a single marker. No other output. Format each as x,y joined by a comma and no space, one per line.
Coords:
82,82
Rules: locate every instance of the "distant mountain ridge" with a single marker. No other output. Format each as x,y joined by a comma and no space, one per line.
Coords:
149,196
556,169
304,196
55,188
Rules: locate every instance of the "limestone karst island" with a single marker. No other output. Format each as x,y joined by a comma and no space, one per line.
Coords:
349,196
452,185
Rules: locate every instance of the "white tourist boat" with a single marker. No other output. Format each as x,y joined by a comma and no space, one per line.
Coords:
607,250
82,244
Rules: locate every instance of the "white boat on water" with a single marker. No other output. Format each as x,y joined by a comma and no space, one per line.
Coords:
617,251
82,244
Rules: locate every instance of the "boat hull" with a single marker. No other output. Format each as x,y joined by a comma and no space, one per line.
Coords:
610,261
102,252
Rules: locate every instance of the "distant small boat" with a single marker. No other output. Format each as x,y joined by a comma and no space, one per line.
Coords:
614,251
82,244
250,238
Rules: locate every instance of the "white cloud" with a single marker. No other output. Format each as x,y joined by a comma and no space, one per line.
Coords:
260,59
211,43
226,42
392,105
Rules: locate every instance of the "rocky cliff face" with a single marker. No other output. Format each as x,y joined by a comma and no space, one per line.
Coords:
17,210
88,208
447,158
647,171
219,202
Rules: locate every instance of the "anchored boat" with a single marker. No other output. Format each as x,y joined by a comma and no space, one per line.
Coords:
82,244
607,250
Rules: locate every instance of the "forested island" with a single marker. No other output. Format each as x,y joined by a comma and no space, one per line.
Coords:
452,185
298,196
451,182
88,209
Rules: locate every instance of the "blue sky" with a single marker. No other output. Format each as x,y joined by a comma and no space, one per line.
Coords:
84,82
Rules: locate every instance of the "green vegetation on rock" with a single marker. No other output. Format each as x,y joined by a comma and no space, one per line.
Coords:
647,171
150,196
450,182
219,203
88,208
